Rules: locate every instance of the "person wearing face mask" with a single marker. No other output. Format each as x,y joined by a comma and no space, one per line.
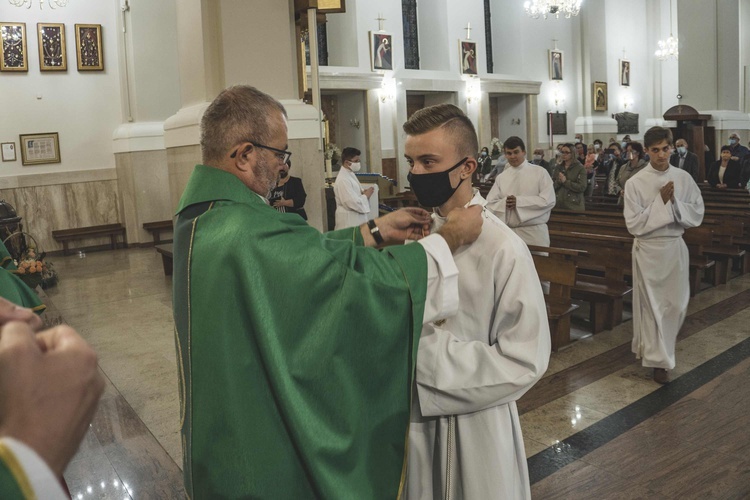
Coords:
737,150
684,159
352,202
613,164
538,159
523,196
579,140
485,164
289,194
471,368
569,181
636,163
624,146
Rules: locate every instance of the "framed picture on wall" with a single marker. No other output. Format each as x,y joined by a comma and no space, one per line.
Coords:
557,123
467,53
624,73
89,47
15,57
9,151
600,96
556,65
37,149
381,51
51,38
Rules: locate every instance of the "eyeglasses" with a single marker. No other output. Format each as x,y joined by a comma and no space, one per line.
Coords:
566,152
282,155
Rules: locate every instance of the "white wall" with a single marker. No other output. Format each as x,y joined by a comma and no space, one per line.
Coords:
83,107
434,38
513,107
342,27
698,53
351,105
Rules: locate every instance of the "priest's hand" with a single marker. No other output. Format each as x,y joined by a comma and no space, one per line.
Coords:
406,224
462,226
49,388
11,312
510,202
667,192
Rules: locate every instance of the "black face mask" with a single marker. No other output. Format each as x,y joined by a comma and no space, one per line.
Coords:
432,190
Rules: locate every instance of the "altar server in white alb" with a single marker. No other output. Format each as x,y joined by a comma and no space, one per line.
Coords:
465,435
523,195
661,201
352,202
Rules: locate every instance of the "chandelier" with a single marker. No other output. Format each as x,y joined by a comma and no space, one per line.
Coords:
544,8
53,4
668,48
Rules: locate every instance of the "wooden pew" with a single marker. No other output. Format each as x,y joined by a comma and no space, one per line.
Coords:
65,236
561,275
696,239
166,257
156,228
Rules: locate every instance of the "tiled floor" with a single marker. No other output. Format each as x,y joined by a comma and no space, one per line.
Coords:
120,301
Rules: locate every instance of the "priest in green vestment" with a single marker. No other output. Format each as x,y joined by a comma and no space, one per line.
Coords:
296,349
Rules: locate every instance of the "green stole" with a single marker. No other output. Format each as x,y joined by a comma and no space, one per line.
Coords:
296,350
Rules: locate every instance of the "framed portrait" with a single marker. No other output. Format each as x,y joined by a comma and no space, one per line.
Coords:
52,56
558,122
467,54
9,151
600,96
89,47
15,57
624,73
556,65
381,51
37,149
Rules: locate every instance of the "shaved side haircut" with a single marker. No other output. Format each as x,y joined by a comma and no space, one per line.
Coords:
453,120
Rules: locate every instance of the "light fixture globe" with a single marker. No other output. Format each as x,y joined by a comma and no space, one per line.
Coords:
544,8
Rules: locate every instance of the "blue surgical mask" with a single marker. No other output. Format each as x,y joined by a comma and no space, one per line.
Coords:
682,150
484,153
623,144
732,142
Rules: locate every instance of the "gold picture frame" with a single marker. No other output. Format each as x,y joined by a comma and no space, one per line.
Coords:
599,96
556,65
52,51
14,54
624,72
38,149
89,51
467,57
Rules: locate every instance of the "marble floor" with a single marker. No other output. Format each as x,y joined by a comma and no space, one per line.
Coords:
596,426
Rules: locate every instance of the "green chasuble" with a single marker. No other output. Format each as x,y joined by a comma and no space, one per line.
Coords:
16,291
6,261
296,350
14,483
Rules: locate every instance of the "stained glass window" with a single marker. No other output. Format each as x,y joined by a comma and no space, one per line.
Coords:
488,35
411,35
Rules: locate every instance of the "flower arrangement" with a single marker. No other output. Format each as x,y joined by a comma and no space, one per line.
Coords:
332,153
34,271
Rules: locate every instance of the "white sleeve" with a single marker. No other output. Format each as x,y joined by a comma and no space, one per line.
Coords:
42,480
642,219
536,206
688,207
442,279
496,200
348,193
457,376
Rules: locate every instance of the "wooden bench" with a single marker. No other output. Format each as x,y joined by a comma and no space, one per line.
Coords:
166,257
65,236
156,228
561,276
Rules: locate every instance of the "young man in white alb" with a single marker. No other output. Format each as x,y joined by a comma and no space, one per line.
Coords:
465,436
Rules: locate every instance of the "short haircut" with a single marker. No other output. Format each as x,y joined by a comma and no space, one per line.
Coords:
571,147
726,148
514,142
614,145
449,117
348,153
239,113
681,139
598,141
655,135
637,147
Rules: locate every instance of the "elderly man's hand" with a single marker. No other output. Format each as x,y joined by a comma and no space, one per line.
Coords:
49,389
11,312
406,224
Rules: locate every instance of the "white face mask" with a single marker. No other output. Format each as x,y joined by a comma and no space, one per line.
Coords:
537,157
356,167
596,147
681,149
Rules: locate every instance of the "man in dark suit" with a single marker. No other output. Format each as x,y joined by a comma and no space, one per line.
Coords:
684,159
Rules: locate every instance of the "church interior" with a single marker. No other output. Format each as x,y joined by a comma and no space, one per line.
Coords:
100,134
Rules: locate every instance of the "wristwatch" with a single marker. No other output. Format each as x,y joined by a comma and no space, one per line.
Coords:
375,232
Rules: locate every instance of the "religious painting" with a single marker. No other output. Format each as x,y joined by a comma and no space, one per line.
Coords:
624,73
600,96
89,47
627,123
14,57
558,123
468,57
9,151
52,55
381,51
556,65
37,149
